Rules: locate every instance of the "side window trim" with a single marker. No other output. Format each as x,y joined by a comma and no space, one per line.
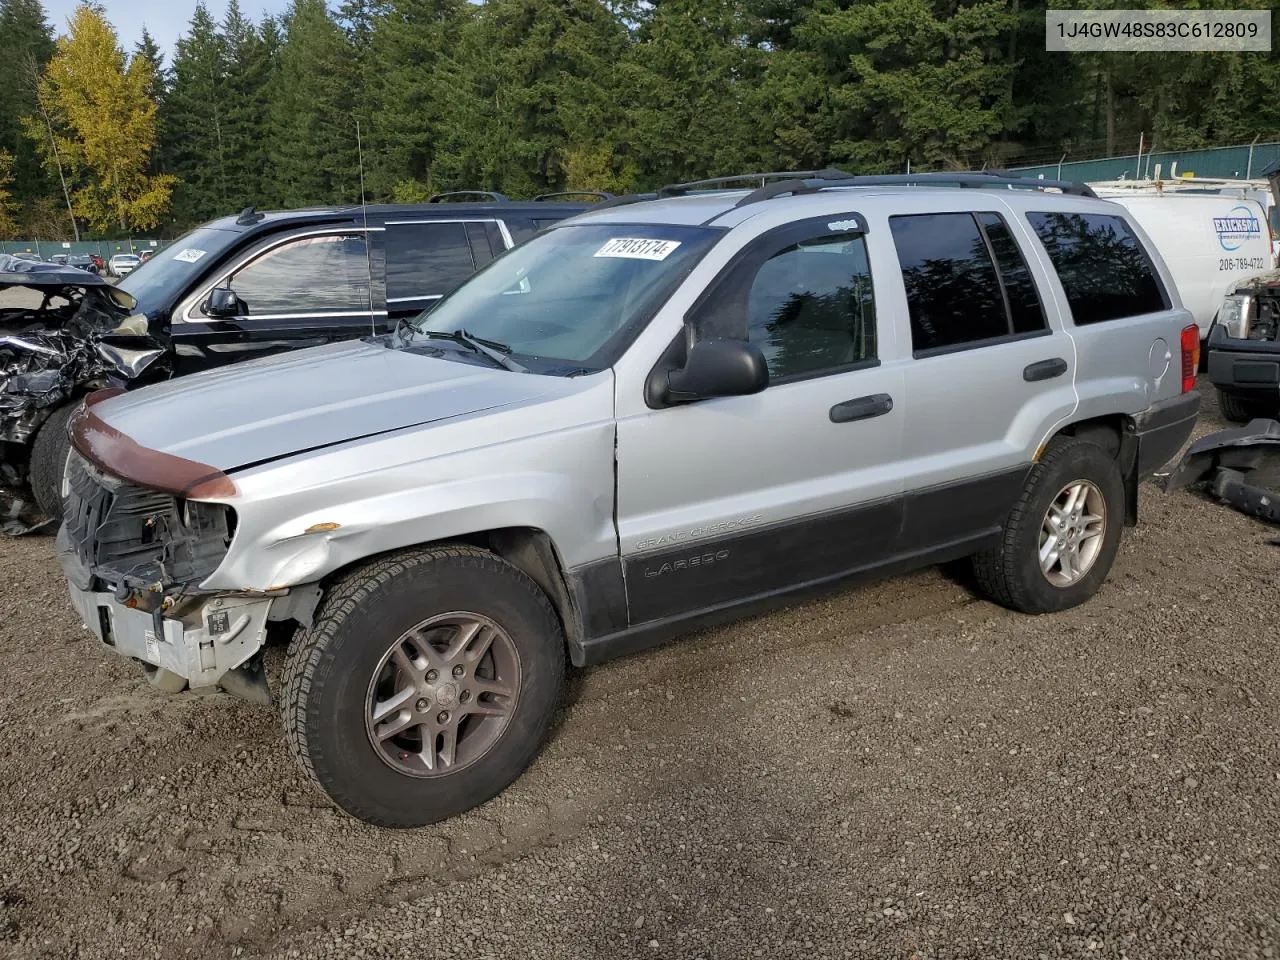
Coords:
189,311
950,348
995,262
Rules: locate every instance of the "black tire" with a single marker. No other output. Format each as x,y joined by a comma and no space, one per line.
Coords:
1241,410
1010,574
49,461
329,667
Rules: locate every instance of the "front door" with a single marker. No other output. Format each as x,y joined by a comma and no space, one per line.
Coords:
300,291
728,499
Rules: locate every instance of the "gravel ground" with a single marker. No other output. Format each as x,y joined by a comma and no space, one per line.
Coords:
895,771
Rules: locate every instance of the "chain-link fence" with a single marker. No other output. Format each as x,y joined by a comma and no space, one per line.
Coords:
1231,163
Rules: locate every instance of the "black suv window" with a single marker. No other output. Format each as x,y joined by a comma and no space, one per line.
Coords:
309,275
956,295
427,259
1105,272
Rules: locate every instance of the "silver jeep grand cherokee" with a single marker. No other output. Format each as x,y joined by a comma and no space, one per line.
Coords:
647,418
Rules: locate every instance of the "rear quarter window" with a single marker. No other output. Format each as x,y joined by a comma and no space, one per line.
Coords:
1105,271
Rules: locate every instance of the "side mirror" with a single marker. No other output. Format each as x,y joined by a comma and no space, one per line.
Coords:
718,368
223,302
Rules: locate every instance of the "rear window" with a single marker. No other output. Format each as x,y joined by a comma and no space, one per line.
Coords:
426,259
1105,272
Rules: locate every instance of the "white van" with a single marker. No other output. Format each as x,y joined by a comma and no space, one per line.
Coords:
1208,241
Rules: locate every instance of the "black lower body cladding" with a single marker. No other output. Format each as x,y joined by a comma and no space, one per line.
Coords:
1162,429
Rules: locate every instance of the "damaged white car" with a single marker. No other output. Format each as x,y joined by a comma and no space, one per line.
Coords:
64,333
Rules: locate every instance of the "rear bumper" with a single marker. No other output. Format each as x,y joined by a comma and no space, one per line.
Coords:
1162,429
1244,368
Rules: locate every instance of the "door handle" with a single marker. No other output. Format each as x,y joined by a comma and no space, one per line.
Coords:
863,408
1044,370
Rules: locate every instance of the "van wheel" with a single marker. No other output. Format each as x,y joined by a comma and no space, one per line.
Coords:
425,685
1239,410
48,462
1061,536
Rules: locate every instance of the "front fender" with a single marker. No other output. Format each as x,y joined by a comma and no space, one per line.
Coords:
561,484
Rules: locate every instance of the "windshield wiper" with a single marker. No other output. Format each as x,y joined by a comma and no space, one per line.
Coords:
497,352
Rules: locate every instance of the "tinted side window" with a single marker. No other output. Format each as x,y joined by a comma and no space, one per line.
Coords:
809,307
426,259
953,292
1103,268
327,274
1025,310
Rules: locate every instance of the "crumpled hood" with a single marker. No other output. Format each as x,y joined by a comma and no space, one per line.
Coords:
260,410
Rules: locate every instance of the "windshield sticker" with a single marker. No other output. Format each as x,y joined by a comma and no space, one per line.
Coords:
634,248
189,255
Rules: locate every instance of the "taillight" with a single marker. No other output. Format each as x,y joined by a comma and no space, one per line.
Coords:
1190,357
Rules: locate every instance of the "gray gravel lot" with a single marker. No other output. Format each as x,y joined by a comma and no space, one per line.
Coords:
895,771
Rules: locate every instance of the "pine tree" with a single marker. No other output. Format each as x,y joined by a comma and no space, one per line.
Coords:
195,121
408,90
28,45
248,76
312,134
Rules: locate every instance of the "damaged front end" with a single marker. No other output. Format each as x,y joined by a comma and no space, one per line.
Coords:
63,333
1240,466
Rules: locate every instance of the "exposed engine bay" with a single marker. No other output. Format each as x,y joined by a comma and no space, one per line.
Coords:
63,333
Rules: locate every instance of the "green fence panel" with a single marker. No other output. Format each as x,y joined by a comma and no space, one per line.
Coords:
103,248
1234,163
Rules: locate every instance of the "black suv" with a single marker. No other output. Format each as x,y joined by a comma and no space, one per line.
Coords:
233,289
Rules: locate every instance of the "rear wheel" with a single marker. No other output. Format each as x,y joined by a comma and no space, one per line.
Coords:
1241,410
1061,536
49,453
425,686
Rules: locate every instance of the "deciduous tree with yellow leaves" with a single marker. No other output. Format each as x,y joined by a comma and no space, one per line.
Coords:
101,126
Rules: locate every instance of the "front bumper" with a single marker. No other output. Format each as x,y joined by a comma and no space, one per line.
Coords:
1244,368
212,638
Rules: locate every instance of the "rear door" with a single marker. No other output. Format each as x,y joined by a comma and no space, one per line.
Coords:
426,259
988,376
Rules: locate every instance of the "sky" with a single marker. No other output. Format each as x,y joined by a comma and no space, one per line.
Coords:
166,19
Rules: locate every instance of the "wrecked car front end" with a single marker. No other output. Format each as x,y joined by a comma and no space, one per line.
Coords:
63,333
135,546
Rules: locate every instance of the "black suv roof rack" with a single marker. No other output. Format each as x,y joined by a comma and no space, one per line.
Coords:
598,194
449,197
975,180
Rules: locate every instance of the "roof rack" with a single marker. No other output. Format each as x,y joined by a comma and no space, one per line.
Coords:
993,178
598,194
624,200
448,197
680,189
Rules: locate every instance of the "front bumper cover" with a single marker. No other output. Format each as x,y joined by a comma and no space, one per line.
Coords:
210,640
1243,368
1238,466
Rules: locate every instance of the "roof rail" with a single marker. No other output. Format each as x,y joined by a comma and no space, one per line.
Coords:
447,197
995,178
680,189
598,194
624,200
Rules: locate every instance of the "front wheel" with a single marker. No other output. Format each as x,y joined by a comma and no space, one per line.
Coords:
425,686
1061,536
48,462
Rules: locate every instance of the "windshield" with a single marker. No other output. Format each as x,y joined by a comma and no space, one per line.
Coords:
167,272
568,298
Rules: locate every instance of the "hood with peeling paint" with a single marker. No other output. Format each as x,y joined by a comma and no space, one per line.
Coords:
255,412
